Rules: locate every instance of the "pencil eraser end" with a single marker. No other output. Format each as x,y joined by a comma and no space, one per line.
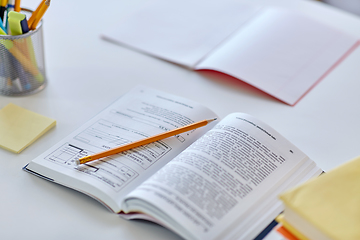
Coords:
77,162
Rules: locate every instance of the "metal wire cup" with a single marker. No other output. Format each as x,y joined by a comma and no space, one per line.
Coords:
22,63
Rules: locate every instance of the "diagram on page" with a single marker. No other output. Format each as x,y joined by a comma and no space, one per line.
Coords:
114,171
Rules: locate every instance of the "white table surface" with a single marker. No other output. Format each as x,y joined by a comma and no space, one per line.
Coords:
86,73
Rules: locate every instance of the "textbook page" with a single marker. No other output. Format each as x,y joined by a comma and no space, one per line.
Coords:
141,113
282,53
221,179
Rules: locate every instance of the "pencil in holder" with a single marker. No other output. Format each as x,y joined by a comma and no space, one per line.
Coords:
22,63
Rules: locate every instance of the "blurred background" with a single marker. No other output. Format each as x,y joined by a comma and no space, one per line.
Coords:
352,6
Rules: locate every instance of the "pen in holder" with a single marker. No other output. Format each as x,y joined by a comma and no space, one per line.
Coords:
22,63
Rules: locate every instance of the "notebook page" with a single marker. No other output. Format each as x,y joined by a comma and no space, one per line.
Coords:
183,31
281,52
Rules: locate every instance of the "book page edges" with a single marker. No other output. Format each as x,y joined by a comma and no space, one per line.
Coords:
104,202
290,228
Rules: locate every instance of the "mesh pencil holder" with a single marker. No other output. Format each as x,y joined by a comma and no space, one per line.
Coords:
22,63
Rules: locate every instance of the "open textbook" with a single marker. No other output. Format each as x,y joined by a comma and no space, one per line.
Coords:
279,51
220,181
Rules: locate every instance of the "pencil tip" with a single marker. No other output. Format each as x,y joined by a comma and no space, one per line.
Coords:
211,120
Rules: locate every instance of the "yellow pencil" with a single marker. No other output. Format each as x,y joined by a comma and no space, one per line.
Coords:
4,3
40,14
25,62
26,47
17,6
144,141
33,15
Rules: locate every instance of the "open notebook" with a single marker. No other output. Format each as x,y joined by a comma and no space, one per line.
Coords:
279,51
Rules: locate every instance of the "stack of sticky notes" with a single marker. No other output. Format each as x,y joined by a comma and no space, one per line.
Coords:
20,127
327,207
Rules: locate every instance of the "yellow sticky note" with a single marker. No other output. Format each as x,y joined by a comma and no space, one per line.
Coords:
20,127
